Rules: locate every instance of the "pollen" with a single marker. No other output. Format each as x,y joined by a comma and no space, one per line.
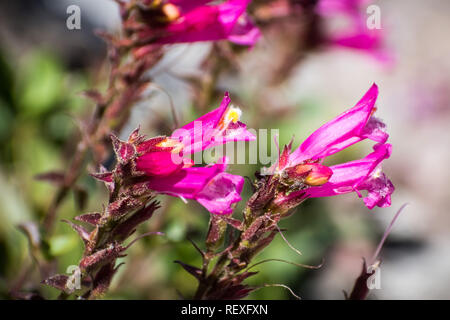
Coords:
234,114
171,12
176,146
377,173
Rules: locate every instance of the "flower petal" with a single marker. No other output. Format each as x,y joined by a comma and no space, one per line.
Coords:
341,132
159,163
205,23
379,190
332,7
363,174
211,130
221,193
244,32
215,189
187,182
188,5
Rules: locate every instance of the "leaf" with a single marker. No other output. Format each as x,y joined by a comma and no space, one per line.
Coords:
62,244
103,279
94,95
55,177
235,223
127,227
31,231
121,207
135,137
103,175
124,151
114,250
58,281
82,232
196,272
284,156
91,218
106,177
41,86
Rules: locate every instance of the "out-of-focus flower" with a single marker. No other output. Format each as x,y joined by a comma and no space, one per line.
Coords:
178,21
168,172
356,35
330,7
304,164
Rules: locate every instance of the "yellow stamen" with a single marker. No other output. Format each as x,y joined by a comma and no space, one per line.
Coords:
171,12
233,114
171,143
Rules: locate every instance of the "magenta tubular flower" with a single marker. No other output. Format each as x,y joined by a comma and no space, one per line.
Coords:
211,186
331,7
365,40
359,175
161,159
352,126
357,35
193,21
214,128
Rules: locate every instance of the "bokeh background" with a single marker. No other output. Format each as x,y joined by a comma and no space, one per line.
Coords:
44,66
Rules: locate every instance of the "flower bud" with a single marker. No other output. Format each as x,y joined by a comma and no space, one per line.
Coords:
312,174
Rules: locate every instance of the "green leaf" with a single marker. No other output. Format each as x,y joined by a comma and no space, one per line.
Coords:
62,244
40,85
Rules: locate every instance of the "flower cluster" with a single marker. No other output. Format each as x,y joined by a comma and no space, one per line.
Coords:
305,163
295,177
150,23
147,167
298,174
163,160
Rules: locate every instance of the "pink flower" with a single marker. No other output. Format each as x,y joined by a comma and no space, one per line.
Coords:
364,174
356,35
198,20
214,128
331,7
352,126
211,186
161,159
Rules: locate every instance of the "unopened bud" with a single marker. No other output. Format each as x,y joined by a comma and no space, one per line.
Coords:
313,174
